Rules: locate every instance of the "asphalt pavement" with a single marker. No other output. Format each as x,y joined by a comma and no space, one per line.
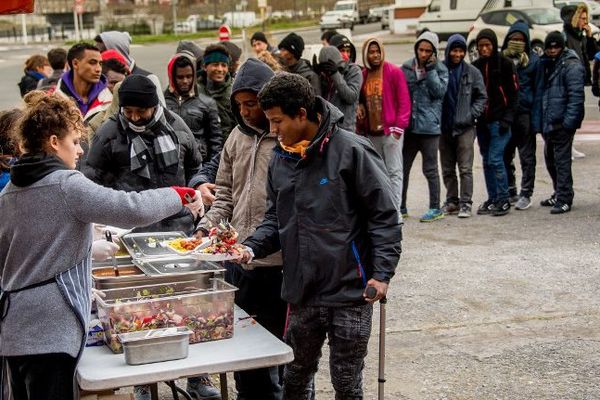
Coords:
480,308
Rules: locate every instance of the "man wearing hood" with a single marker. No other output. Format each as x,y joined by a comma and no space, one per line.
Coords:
463,104
291,48
578,34
562,112
384,111
345,46
84,82
517,48
241,198
332,214
197,110
427,79
341,81
215,82
120,41
493,128
144,146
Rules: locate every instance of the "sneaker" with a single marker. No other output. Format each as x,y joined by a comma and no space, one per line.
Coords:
201,388
576,154
513,199
523,203
465,211
404,212
432,214
142,392
450,208
500,208
549,202
485,208
560,208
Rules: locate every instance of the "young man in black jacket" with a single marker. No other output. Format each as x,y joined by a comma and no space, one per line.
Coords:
493,128
562,110
332,214
463,104
198,111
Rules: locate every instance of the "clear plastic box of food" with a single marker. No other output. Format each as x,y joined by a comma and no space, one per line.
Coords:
205,307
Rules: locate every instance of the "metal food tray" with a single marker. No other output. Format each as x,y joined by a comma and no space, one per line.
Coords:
176,265
149,244
155,345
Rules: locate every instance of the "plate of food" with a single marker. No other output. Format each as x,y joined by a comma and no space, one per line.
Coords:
185,246
222,244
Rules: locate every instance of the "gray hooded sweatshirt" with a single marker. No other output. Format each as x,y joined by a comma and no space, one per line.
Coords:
342,89
46,230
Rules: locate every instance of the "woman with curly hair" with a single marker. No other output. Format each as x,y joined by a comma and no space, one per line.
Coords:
47,210
8,152
268,58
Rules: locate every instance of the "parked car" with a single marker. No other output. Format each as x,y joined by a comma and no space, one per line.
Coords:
541,22
385,19
335,20
445,18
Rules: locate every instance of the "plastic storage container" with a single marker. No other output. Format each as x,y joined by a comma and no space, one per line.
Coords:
155,345
205,307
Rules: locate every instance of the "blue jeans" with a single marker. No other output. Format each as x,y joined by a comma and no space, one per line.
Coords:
492,142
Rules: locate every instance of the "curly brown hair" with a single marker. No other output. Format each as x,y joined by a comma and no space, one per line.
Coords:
268,58
44,116
7,148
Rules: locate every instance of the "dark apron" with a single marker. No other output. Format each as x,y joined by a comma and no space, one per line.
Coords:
75,286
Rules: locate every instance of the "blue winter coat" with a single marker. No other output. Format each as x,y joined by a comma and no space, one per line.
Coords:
563,94
530,77
427,95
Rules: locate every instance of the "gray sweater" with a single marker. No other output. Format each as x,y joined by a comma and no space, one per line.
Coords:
46,229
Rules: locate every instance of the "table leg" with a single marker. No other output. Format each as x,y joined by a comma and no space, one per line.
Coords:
224,392
154,391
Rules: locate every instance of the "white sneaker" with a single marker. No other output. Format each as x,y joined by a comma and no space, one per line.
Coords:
576,154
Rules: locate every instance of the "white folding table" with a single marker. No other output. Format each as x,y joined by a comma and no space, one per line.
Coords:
252,346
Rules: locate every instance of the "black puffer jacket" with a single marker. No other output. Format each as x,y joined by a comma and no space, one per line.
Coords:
332,214
501,84
108,163
222,95
303,68
198,111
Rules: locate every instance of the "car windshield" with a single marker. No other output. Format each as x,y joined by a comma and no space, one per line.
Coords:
343,7
544,16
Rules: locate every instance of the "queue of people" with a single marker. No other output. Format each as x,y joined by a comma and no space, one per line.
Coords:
309,161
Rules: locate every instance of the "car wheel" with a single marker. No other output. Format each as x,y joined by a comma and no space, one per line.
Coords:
538,48
473,52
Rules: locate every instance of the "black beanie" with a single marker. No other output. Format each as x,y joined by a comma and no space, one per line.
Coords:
258,36
294,44
138,91
554,39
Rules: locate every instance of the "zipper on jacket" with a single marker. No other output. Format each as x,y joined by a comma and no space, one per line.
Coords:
250,185
359,267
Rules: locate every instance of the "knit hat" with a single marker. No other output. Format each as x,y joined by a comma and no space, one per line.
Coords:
555,39
138,91
294,44
258,36
234,51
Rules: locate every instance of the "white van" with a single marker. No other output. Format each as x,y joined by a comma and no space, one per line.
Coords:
447,17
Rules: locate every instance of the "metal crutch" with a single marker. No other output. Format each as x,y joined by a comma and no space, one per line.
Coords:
371,293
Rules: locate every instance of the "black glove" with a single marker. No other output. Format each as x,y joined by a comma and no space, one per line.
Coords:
596,90
328,67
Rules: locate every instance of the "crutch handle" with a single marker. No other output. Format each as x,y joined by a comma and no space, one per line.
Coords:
371,292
